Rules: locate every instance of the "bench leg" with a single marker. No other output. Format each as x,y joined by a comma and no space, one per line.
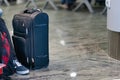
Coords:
86,2
78,6
6,2
88,6
33,3
28,3
46,3
104,10
51,3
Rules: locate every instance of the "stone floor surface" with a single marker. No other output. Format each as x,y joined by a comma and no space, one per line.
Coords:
77,44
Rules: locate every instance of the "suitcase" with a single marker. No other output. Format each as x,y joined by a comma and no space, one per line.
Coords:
30,38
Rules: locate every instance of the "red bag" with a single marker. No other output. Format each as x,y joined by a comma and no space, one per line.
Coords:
5,48
1,68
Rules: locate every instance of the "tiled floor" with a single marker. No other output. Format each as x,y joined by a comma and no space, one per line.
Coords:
77,43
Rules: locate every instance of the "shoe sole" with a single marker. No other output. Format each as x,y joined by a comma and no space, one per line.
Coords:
23,72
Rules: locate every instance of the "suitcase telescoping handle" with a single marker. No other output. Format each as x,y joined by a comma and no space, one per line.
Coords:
30,11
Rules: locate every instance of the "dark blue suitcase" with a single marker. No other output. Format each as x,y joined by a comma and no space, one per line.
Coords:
30,38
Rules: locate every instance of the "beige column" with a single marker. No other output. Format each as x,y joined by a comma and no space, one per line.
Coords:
114,44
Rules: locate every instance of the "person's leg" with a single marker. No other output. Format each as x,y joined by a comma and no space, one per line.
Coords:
13,64
62,1
70,3
63,4
20,69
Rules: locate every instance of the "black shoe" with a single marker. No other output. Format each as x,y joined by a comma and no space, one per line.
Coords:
20,69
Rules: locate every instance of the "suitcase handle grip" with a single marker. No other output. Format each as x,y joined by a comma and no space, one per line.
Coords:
30,11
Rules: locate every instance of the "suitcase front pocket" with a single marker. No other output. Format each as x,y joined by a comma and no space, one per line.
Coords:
21,49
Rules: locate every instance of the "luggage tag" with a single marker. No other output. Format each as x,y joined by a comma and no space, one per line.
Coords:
108,4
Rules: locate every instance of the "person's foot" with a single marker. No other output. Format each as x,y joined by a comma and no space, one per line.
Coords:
72,6
63,6
1,12
20,69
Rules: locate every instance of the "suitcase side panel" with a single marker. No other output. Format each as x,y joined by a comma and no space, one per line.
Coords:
41,39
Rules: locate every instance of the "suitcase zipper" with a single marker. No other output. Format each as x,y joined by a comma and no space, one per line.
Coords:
26,31
32,41
32,46
27,60
33,62
23,24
